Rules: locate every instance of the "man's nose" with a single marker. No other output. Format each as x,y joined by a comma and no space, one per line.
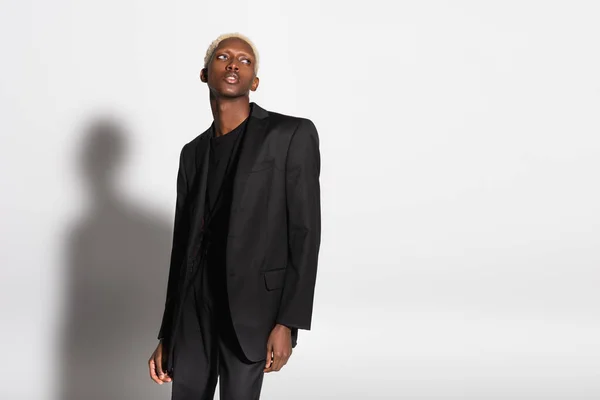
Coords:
232,66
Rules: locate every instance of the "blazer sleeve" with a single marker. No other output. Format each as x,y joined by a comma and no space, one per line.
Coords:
177,250
303,204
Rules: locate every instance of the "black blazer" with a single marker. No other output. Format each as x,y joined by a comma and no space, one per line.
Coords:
274,230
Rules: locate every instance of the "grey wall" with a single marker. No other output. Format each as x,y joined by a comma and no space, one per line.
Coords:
460,156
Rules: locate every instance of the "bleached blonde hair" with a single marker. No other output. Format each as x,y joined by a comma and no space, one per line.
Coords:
215,43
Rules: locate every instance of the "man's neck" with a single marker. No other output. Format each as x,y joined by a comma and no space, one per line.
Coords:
229,113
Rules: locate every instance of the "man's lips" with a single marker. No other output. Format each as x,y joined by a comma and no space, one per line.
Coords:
232,77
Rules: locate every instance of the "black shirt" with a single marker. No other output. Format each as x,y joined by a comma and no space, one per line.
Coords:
218,206
221,149
219,191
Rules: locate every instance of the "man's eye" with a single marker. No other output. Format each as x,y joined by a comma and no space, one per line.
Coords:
245,60
221,55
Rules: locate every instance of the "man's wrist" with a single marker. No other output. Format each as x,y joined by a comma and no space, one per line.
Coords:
283,326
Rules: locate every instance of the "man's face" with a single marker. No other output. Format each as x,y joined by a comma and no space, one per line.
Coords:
230,71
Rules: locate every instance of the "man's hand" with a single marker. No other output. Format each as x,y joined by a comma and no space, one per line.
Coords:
279,348
155,365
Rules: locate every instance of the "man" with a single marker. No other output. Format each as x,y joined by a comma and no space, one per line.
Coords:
246,239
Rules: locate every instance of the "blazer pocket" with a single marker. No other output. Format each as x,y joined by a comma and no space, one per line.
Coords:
274,279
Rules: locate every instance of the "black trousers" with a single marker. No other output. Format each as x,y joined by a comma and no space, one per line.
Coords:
207,348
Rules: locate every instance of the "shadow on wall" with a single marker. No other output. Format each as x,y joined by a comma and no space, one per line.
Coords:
116,281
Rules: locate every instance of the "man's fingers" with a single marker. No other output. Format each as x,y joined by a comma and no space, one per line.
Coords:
166,378
270,368
155,366
153,376
163,375
159,370
269,355
284,361
280,360
277,362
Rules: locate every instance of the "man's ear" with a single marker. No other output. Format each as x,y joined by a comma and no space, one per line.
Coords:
204,75
255,83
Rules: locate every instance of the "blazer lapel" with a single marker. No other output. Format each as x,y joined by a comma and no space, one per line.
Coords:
251,144
250,147
202,159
